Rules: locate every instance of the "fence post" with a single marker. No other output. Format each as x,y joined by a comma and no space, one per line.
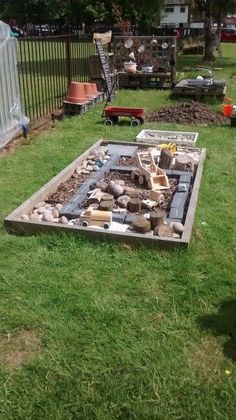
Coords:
68,59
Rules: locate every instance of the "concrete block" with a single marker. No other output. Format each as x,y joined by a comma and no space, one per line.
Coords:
119,217
117,149
186,178
176,213
179,199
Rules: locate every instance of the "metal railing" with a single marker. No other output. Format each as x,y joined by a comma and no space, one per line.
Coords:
47,66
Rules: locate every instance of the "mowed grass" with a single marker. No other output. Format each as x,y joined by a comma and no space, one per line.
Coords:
122,332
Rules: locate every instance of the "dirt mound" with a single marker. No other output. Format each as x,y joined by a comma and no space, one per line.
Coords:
187,112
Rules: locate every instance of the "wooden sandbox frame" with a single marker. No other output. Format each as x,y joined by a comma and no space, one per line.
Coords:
15,224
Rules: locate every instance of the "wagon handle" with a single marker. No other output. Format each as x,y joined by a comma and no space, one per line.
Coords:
108,98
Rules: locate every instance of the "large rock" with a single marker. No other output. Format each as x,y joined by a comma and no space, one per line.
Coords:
63,220
178,227
34,217
47,216
55,214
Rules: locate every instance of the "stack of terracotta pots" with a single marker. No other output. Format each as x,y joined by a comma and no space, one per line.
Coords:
80,93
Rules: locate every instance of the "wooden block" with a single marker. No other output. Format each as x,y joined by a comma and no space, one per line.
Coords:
134,205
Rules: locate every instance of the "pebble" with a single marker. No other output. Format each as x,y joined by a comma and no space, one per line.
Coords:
55,214
47,216
63,220
41,210
178,227
95,168
89,168
48,206
78,170
59,206
25,217
40,204
85,172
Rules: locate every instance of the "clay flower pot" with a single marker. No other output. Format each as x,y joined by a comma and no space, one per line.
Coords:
94,89
88,91
76,93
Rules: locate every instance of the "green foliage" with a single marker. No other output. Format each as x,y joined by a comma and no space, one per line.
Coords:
44,11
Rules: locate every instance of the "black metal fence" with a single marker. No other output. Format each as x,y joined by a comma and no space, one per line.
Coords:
47,66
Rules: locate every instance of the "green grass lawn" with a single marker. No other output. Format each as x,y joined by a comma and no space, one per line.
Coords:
94,330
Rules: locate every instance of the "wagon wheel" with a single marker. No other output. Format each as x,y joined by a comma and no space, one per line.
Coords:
106,225
108,121
135,122
115,119
141,119
141,180
133,175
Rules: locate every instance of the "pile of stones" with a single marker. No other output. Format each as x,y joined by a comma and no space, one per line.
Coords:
93,162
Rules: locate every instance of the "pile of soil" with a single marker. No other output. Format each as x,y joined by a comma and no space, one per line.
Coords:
187,112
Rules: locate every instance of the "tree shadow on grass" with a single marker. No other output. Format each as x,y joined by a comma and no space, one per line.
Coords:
223,323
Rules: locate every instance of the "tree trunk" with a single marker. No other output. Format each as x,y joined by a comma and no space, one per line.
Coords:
209,33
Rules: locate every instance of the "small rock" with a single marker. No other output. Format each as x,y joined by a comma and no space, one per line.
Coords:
55,214
178,227
89,168
104,187
78,169
59,206
48,206
95,168
47,216
25,217
34,217
63,220
40,210
85,172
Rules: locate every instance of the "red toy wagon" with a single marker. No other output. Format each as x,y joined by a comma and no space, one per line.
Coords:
112,115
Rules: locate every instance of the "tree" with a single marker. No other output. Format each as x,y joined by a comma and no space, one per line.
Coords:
213,10
138,12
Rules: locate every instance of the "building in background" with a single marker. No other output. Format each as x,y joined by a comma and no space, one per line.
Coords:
176,14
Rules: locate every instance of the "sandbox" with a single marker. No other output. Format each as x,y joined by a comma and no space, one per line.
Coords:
106,180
